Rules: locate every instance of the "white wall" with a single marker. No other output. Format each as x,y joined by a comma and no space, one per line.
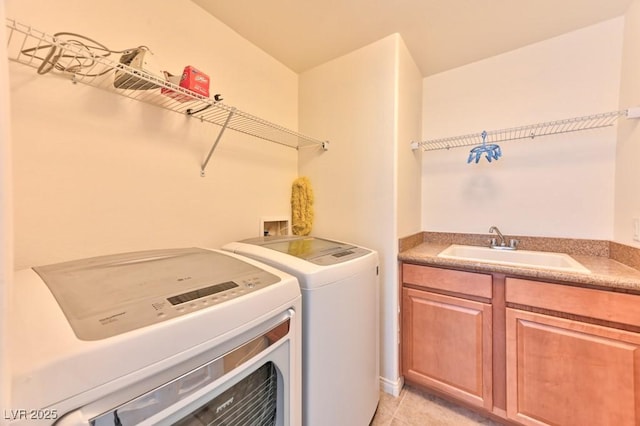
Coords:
408,196
6,241
555,186
408,168
96,173
350,100
356,101
627,195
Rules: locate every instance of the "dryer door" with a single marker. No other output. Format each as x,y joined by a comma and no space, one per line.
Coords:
250,384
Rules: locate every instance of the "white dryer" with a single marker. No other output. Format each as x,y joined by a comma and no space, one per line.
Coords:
340,329
177,336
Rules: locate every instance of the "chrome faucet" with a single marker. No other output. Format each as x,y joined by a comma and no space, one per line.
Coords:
513,244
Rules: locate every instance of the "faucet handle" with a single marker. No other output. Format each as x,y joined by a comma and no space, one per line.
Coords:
513,243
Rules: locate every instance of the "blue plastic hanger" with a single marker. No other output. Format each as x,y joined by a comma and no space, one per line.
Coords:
491,151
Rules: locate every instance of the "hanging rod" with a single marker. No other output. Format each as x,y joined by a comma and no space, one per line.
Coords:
89,63
530,131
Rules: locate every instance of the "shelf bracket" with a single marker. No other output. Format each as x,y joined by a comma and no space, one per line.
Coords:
215,144
633,112
191,112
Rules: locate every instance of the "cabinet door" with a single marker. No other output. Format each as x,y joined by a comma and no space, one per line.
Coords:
447,345
565,372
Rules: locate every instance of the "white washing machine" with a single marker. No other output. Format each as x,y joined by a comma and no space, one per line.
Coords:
340,329
179,336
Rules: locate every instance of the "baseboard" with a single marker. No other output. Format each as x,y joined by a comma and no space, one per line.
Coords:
392,387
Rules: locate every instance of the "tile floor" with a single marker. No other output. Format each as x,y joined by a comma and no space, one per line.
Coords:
416,408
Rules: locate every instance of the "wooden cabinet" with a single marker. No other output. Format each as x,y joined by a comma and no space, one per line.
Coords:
530,352
567,371
447,340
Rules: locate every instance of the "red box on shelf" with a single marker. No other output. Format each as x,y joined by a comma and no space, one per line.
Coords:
191,79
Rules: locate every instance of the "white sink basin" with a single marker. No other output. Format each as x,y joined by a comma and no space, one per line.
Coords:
524,258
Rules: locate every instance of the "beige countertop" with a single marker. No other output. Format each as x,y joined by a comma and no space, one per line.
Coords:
604,272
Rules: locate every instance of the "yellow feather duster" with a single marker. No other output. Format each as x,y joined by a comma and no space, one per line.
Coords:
301,206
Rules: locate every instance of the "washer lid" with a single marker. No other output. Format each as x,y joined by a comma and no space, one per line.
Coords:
311,249
108,295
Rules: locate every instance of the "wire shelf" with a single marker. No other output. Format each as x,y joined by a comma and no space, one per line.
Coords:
525,132
87,63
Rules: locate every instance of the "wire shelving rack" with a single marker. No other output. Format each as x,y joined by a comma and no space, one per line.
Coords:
82,63
529,131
